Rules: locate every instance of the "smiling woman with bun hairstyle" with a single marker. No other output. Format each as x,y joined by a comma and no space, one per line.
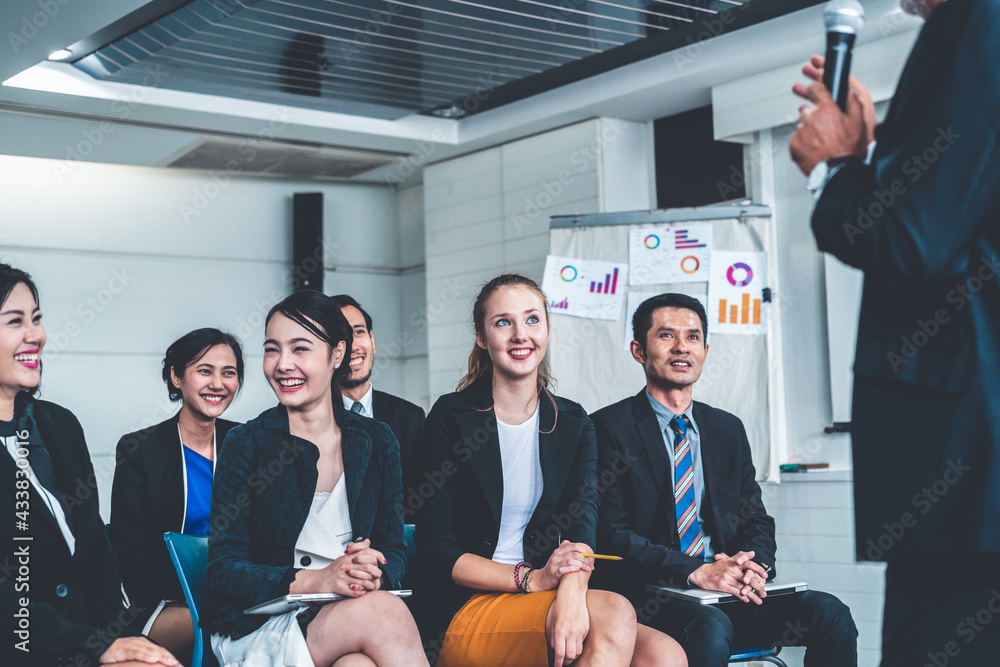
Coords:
163,481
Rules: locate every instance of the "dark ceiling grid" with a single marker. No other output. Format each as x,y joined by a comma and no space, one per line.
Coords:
385,58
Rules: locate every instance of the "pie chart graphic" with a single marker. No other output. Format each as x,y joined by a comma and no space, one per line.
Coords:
652,241
690,264
568,273
731,274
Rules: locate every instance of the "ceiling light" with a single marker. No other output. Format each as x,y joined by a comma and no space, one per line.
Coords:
452,112
61,54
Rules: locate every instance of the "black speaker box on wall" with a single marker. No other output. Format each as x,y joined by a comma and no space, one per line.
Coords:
692,168
307,241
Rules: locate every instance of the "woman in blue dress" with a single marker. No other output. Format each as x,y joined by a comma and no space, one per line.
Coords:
163,481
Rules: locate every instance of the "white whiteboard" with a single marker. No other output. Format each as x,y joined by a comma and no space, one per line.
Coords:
591,366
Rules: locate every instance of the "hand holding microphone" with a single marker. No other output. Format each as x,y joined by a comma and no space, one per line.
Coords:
843,20
829,129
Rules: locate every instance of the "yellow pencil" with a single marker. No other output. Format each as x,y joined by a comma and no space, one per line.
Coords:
601,556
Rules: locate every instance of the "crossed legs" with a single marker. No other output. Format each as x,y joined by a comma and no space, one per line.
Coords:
376,629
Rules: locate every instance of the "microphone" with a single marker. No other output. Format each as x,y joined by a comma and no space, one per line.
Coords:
843,20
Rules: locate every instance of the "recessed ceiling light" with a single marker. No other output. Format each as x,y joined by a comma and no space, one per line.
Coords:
450,112
61,54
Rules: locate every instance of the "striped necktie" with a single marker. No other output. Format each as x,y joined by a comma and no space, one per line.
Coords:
692,541
357,408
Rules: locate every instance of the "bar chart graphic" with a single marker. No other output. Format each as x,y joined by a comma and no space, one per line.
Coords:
609,286
732,313
585,288
683,240
736,292
668,254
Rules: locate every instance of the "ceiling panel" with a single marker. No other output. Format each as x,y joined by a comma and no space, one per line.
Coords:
380,58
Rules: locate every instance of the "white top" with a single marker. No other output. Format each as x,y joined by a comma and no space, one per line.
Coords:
327,530
50,501
522,486
366,403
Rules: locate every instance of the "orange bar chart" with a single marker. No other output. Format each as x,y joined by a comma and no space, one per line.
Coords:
745,313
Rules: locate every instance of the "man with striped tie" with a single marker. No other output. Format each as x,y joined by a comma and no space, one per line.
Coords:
681,504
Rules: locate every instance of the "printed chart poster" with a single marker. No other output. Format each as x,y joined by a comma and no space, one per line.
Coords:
735,293
632,304
584,288
670,254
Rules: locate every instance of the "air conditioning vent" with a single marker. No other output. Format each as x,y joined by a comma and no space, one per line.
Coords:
281,159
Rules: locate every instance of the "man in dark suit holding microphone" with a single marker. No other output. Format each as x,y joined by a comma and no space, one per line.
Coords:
922,220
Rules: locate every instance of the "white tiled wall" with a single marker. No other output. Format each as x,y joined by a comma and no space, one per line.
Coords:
488,212
814,513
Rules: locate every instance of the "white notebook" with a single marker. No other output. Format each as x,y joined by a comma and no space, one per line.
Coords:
716,597
294,601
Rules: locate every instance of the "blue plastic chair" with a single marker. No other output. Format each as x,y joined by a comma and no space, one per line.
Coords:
411,554
759,654
189,554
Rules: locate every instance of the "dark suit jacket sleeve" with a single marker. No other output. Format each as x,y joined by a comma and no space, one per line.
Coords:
232,573
387,528
656,561
582,485
754,526
441,449
910,217
144,557
51,632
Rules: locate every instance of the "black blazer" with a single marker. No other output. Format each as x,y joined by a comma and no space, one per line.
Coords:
265,480
637,515
404,418
75,600
147,500
923,223
460,452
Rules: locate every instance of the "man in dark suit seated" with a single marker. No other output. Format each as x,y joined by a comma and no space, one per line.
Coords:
404,418
681,504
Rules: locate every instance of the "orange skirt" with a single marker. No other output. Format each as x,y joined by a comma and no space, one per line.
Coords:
499,630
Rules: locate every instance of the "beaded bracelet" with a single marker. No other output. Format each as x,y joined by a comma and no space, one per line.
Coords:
517,574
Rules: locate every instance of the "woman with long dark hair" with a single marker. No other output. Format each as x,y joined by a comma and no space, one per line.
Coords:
306,500
163,481
62,601
503,537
